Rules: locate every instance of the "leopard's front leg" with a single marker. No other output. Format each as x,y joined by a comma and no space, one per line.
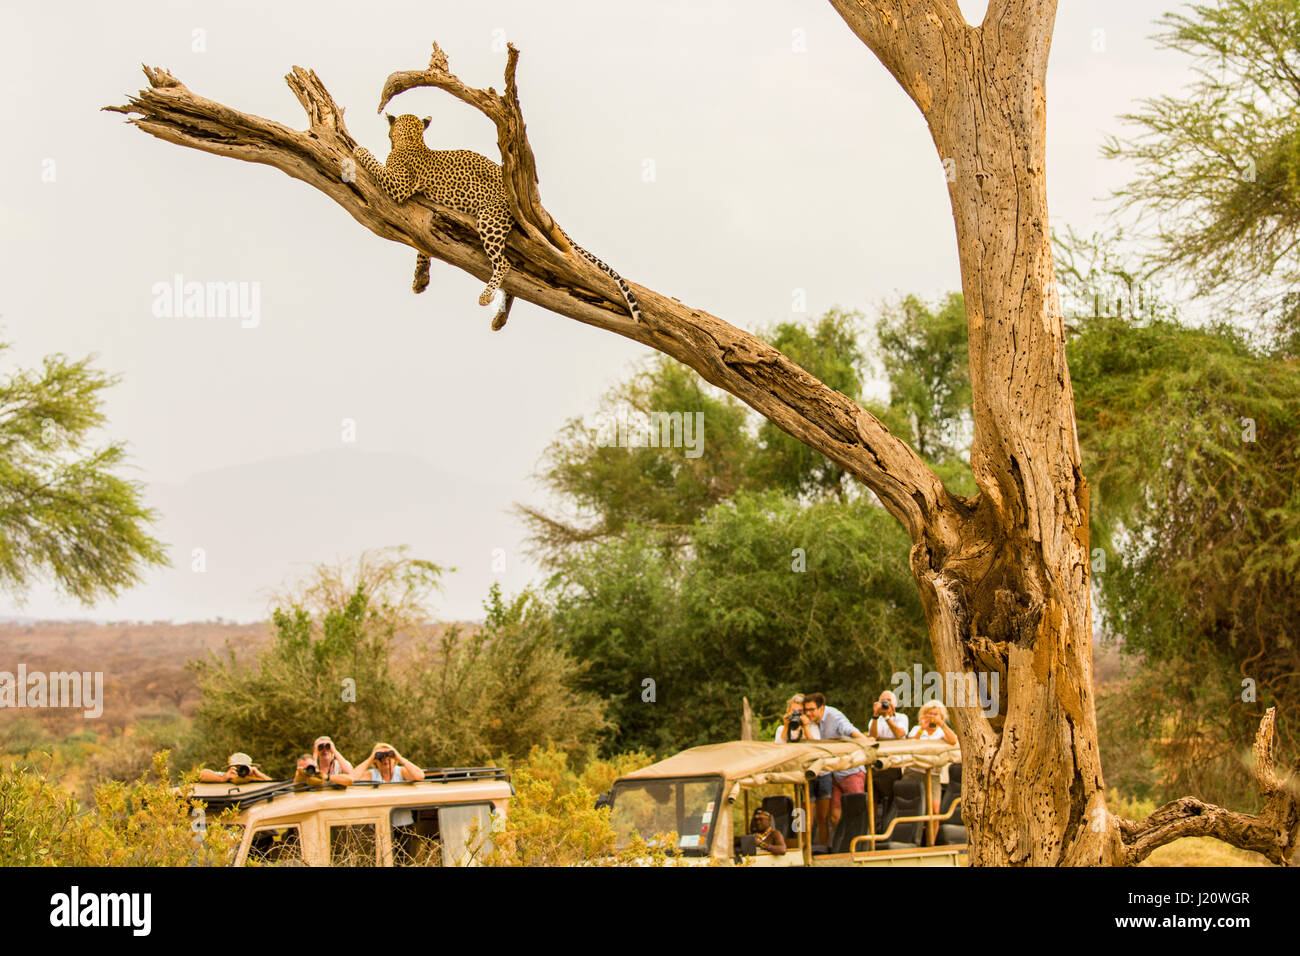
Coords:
394,178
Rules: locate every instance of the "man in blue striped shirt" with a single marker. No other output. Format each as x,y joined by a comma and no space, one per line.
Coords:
829,789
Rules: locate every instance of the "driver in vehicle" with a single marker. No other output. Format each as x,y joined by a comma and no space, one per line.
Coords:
766,836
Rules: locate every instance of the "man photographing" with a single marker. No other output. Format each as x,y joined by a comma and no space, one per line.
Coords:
887,723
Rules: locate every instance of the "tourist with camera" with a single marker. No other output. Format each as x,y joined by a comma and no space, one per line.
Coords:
887,723
932,723
239,769
796,726
325,766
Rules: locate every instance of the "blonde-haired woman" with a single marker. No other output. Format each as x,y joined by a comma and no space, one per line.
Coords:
807,729
932,724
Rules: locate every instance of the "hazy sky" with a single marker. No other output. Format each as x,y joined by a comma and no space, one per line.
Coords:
775,168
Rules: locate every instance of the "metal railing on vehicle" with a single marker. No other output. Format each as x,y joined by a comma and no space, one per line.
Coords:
247,798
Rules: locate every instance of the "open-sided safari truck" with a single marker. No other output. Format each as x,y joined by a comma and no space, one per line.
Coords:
445,819
707,794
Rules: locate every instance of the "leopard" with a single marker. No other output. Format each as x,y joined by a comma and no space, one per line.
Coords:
466,181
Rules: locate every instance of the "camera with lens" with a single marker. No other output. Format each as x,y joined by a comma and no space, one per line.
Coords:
793,728
242,770
309,769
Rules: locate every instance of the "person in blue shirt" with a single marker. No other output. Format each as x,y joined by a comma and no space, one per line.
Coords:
829,789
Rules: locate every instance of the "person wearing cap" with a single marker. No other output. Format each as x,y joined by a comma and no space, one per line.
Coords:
239,769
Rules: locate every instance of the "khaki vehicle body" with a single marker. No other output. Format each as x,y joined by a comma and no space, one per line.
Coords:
444,820
706,795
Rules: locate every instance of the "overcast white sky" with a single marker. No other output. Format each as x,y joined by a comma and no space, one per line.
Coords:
774,170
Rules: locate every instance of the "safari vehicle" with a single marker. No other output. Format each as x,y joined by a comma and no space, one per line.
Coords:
445,819
706,795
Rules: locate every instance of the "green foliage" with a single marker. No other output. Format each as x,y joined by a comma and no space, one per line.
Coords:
1218,166
609,488
512,685
466,697
926,358
65,514
735,618
129,755
22,735
1190,437
148,822
831,352
35,815
606,489
553,820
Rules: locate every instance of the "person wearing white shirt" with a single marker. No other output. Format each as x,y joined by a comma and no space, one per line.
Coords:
887,722
932,724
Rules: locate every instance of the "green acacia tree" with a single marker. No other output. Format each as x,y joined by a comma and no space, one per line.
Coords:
924,351
603,488
353,655
66,514
1217,166
772,597
830,349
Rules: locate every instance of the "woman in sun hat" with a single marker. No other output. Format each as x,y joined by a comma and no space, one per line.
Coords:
239,769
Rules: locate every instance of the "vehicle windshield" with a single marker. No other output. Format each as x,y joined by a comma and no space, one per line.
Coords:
655,807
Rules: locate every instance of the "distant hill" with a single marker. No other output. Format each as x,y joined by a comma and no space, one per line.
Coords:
143,665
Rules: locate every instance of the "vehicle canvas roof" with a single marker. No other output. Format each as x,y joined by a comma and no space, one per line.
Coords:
753,762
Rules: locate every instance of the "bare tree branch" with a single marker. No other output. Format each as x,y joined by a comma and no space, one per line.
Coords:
1271,833
916,40
732,359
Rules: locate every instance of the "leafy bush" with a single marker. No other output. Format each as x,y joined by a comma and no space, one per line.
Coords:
553,820
334,666
149,822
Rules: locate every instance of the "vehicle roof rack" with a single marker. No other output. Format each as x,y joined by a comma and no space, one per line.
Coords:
449,775
239,800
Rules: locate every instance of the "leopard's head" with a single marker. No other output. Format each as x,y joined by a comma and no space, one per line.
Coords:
407,129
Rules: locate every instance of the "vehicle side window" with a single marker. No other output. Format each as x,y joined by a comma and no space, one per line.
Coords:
441,835
352,844
416,838
275,846
466,834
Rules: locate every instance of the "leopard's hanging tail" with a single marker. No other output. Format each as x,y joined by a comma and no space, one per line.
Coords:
633,307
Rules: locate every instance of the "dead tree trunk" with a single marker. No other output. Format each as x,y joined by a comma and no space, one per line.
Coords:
1004,575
